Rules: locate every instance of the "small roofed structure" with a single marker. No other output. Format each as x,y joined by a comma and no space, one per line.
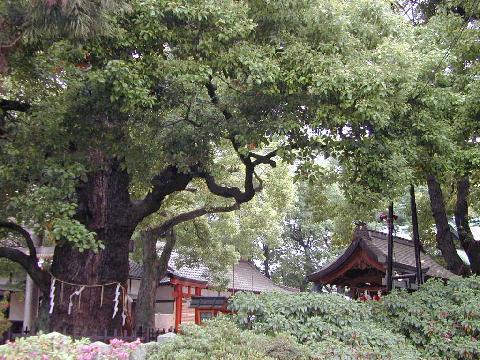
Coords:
186,294
362,266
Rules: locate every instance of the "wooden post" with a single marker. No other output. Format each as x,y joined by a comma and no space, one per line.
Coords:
178,307
416,236
198,292
390,248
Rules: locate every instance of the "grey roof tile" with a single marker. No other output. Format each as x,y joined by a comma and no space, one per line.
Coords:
242,276
404,253
245,276
376,244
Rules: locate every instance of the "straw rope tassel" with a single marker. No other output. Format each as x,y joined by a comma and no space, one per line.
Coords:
117,295
101,297
124,314
52,295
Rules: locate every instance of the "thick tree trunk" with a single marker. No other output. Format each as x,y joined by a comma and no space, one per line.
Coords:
104,208
42,322
154,269
145,306
445,238
471,247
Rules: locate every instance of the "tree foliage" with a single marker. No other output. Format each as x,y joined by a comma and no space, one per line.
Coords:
147,107
437,322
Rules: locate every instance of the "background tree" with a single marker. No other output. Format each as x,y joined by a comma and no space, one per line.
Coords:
208,236
429,142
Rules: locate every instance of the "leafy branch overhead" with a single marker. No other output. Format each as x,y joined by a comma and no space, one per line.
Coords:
112,112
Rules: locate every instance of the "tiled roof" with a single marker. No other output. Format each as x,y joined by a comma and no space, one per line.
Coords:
196,273
375,243
246,276
135,270
404,253
242,276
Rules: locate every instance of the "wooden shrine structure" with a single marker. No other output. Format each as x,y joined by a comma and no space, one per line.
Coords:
363,266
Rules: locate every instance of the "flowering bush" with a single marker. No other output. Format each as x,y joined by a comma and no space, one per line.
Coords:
118,350
55,346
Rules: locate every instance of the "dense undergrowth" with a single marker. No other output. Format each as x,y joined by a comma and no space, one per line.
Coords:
437,322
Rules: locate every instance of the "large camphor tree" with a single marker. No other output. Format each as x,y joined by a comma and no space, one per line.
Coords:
97,133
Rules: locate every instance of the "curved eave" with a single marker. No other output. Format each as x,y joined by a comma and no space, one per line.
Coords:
360,250
337,264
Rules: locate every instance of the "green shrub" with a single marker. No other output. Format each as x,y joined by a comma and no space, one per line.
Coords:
4,323
443,321
328,324
221,339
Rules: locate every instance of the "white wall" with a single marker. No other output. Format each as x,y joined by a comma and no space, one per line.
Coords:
133,287
165,312
165,321
164,292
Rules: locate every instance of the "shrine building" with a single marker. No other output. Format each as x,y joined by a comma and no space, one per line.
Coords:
362,266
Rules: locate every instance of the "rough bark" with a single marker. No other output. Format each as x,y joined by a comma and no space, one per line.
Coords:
444,237
471,247
42,322
104,208
145,306
154,269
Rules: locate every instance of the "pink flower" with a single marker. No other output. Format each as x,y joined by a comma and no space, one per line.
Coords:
50,3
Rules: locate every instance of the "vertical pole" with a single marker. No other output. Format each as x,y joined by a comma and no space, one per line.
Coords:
233,279
30,308
198,292
416,236
178,306
390,248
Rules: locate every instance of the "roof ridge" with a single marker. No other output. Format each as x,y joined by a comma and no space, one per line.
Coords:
396,238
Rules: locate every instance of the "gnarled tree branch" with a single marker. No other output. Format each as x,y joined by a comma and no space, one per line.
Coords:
166,226
163,184
28,262
31,239
39,276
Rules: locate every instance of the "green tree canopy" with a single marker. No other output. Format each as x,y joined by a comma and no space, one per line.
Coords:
98,131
